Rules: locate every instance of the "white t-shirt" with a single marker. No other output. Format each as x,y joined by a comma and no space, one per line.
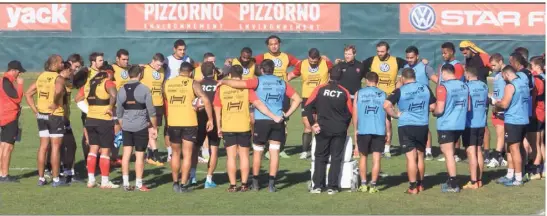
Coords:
173,66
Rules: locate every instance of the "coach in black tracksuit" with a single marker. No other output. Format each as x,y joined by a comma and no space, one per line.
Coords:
332,104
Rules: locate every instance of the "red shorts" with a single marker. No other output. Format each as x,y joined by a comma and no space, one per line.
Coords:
496,121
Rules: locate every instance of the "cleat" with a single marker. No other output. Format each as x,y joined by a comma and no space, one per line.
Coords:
332,191
493,163
363,188
210,184
441,159
232,189
479,182
272,188
142,189
116,163
315,191
504,163
373,189
255,186
9,179
243,188
60,184
412,191
428,157
387,155
109,185
128,188
193,181
176,187
457,158
202,160
91,184
154,162
284,155
469,185
513,183
536,176
420,188
42,182
184,189
503,180
169,158
445,188
303,155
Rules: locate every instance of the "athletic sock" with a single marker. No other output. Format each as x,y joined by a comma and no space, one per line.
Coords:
419,183
138,182
386,149
413,185
156,155
41,179
271,180
192,173
91,165
56,179
510,173
364,182
104,165
104,180
372,183
306,141
169,151
518,176
209,178
427,150
125,180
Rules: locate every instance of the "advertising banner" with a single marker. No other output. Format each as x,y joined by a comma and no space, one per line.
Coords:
501,19
233,17
35,17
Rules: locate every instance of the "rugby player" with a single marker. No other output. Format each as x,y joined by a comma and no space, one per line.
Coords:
414,100
68,144
282,62
515,102
153,78
331,103
370,131
538,119
49,111
451,111
120,78
386,66
11,94
179,93
198,74
315,72
496,157
475,126
270,89
232,114
135,111
423,74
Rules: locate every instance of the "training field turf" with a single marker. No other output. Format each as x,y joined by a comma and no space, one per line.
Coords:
292,197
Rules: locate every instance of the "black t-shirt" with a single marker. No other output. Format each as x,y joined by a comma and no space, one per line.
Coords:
352,74
476,62
209,87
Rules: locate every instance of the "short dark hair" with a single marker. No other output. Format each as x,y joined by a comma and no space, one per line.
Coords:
472,70
509,68
267,66
93,56
247,50
236,71
350,47
449,68
497,57
106,67
186,67
383,43
208,54
208,69
122,52
314,53
158,57
408,73
179,42
75,57
335,73
372,77
523,51
412,49
448,45
134,71
538,60
519,58
273,37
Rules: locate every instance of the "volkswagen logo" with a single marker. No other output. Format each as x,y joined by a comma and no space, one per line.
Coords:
124,74
313,70
384,67
246,71
422,17
156,75
277,63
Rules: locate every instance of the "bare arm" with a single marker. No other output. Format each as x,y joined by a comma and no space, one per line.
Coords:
218,112
390,109
507,97
113,95
206,103
239,84
59,89
29,96
291,76
296,100
434,78
439,108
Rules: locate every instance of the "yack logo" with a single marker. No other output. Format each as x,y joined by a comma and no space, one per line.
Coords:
124,74
384,67
156,75
277,62
422,17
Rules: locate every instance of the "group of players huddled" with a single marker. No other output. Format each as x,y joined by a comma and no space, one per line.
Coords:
247,102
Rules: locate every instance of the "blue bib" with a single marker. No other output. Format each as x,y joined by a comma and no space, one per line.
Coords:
371,114
421,74
517,112
455,108
414,104
271,91
478,92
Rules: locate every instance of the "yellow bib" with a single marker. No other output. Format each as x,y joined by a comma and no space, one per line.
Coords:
45,87
179,94
198,75
313,77
154,81
281,63
121,76
235,109
248,73
98,99
91,74
387,73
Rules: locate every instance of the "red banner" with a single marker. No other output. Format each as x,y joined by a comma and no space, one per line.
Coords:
233,17
504,19
35,17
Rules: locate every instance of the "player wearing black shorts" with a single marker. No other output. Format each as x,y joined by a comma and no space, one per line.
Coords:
414,100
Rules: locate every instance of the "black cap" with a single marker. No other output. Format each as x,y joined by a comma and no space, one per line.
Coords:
335,73
16,65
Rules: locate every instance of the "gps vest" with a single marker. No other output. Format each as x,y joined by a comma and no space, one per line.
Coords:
271,91
98,98
414,104
313,77
455,107
130,102
179,94
235,109
453,63
517,112
371,114
281,63
387,72
478,93
499,86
